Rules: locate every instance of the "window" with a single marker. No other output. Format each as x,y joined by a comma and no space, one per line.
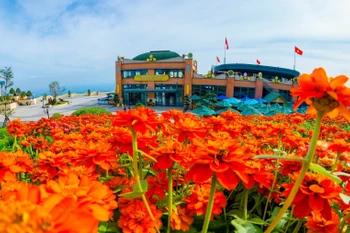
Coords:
133,73
175,73
241,92
286,95
202,90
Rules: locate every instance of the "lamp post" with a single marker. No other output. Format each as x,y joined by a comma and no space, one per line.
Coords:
45,108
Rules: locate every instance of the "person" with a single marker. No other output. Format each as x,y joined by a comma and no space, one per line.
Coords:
187,103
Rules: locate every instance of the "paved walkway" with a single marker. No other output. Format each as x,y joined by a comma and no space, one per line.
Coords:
35,112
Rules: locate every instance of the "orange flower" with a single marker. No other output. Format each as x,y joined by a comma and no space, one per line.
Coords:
329,95
314,194
135,218
180,220
197,202
317,224
189,128
140,119
164,154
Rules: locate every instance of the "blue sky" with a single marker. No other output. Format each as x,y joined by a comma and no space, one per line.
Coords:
77,42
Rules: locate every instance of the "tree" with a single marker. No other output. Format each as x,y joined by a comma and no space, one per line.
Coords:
12,91
56,89
29,93
18,91
88,92
69,94
23,95
8,76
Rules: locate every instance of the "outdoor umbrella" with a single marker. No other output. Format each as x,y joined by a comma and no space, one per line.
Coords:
223,103
233,101
259,105
195,97
245,98
265,109
261,100
225,110
270,113
222,97
204,111
241,106
250,111
251,102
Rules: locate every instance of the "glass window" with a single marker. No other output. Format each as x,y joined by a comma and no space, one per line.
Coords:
172,73
132,73
241,92
202,90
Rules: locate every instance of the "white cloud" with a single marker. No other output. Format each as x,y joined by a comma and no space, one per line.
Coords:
55,41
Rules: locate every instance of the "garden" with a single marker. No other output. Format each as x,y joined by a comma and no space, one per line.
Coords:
137,171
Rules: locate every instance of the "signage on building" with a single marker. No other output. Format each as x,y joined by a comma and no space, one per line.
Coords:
151,77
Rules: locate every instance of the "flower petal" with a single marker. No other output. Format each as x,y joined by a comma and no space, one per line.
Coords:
338,81
302,208
199,173
228,179
316,202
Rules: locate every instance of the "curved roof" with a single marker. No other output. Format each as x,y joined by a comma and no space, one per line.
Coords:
159,55
271,70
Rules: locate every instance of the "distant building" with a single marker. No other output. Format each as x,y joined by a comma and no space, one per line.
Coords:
165,77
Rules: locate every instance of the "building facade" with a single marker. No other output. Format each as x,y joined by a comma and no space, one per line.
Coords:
164,78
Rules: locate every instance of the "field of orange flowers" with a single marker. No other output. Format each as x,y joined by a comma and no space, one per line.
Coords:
139,172
81,174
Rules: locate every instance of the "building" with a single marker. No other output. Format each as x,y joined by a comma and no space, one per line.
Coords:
164,77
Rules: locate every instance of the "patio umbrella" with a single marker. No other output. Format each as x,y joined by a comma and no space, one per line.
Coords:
259,105
222,97
261,100
251,102
245,98
241,105
204,111
223,103
270,113
250,111
195,97
265,109
233,101
225,110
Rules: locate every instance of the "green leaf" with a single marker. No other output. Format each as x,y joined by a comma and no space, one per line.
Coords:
235,213
257,221
133,194
108,227
144,186
244,227
191,230
283,220
215,224
321,170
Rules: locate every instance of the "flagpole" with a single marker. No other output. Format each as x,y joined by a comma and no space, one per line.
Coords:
294,60
225,50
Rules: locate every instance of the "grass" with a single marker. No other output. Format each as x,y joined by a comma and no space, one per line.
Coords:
91,111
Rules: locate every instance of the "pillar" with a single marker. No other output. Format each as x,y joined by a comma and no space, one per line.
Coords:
259,85
230,86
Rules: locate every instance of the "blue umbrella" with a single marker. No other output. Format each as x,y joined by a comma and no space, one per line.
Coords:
251,102
245,98
223,103
222,97
204,111
261,100
233,101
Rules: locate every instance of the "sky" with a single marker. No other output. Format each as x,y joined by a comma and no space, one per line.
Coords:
76,42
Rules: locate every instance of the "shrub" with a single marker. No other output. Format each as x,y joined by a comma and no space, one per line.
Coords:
69,94
29,93
88,92
23,95
56,116
139,105
91,110
12,91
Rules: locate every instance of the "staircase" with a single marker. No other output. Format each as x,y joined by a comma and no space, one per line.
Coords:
267,85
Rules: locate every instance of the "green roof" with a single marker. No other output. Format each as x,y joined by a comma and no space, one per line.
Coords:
159,55
273,96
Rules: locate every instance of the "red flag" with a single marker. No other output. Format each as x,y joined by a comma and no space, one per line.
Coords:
226,43
257,61
218,59
298,51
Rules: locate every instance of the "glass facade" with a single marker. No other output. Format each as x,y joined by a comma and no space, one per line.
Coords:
173,96
201,90
286,95
132,73
132,98
172,73
241,92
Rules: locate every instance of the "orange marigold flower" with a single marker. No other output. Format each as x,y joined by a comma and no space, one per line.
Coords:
317,224
135,218
314,194
197,202
189,128
180,220
329,95
140,119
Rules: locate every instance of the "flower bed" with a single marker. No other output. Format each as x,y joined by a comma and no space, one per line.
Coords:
139,172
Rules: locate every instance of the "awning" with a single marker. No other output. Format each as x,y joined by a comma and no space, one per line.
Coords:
155,90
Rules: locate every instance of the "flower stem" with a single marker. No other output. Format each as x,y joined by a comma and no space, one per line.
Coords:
136,173
297,227
245,204
210,204
336,162
170,197
304,169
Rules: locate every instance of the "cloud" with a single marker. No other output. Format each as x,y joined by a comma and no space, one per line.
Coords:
78,42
